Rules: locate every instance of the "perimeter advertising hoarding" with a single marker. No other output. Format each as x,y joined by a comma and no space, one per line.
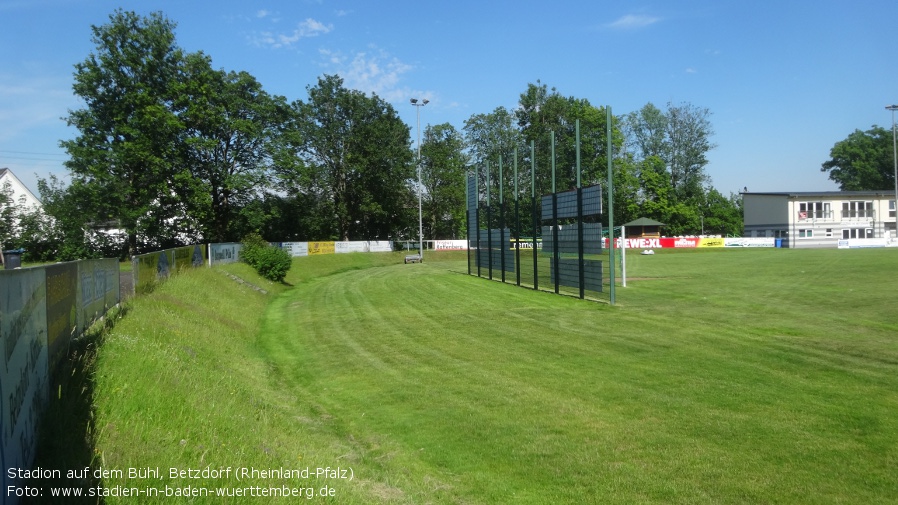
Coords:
450,245
864,243
62,308
671,243
190,256
224,253
339,247
749,242
321,248
295,248
363,246
147,268
350,247
100,289
380,246
692,242
24,377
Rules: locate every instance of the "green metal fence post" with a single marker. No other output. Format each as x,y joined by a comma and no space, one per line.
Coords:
468,217
502,241
580,263
610,155
477,218
534,214
555,255
489,221
517,223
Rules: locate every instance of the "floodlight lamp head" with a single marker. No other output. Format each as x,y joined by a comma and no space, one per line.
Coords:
892,107
414,101
426,101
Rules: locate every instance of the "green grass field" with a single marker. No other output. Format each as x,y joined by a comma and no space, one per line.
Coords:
727,376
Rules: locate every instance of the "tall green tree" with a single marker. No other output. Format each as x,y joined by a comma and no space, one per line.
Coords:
655,191
127,144
646,131
25,226
723,214
863,161
670,150
231,127
625,174
680,137
543,111
489,138
353,152
443,165
69,230
689,132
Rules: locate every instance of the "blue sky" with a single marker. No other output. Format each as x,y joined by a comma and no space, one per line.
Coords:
783,80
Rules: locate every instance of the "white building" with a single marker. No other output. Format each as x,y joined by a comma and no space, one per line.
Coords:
820,219
21,195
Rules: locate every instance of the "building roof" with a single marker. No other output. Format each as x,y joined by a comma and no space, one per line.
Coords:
19,187
644,221
832,194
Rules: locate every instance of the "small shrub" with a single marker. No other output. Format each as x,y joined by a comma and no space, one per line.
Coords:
253,244
270,262
273,263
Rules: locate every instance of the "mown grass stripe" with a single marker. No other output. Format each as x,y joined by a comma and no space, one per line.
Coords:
720,377
718,371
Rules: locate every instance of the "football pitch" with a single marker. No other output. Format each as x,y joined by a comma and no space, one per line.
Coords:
727,376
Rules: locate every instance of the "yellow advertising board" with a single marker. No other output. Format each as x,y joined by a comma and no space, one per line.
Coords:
321,248
711,242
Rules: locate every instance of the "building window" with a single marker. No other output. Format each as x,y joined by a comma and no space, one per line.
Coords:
814,210
857,233
857,209
891,208
805,233
780,233
829,232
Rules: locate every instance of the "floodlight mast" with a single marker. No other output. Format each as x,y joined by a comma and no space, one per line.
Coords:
414,102
893,108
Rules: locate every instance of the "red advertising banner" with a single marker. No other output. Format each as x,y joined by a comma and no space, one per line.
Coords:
669,243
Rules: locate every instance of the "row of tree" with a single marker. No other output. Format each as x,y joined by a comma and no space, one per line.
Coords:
170,150
659,157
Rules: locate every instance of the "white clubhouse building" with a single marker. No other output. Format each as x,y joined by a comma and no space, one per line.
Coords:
821,219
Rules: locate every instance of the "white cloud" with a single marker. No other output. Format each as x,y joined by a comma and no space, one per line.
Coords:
306,29
631,21
311,28
373,71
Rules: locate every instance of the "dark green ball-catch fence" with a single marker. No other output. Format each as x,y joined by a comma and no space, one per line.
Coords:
554,241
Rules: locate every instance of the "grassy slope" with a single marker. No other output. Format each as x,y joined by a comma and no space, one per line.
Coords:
737,376
726,377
